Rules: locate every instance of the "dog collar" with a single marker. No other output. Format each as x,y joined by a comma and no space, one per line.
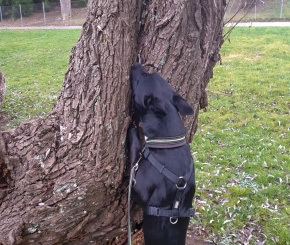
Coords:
166,142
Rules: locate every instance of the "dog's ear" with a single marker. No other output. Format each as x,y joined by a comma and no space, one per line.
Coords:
149,102
158,106
181,105
155,104
141,101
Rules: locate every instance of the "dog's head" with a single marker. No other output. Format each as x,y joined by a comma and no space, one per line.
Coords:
156,101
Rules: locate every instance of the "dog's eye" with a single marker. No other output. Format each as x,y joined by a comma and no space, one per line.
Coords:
149,100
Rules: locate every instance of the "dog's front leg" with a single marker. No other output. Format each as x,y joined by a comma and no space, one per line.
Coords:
133,144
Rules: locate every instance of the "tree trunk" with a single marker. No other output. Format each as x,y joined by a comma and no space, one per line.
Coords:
62,177
2,88
65,6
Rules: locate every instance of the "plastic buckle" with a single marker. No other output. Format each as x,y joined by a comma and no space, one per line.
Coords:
154,211
191,212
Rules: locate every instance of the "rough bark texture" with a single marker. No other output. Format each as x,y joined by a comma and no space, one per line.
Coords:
2,88
65,6
181,40
62,177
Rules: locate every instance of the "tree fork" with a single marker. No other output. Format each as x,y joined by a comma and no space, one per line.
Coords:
66,181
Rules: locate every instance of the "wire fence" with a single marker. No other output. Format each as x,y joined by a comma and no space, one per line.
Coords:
74,12
43,14
258,10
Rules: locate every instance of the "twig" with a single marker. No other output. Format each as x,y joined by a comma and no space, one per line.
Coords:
225,36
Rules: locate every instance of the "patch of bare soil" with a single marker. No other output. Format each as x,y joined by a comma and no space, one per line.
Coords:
195,236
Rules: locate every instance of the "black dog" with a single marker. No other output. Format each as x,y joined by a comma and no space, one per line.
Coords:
164,183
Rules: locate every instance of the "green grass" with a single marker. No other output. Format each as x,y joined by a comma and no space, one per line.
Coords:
242,143
34,63
241,148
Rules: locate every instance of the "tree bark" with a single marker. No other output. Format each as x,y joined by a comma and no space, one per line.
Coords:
2,88
65,6
63,177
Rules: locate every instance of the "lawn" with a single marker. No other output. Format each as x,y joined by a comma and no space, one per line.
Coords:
34,63
241,148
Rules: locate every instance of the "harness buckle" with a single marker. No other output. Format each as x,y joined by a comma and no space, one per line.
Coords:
153,211
181,178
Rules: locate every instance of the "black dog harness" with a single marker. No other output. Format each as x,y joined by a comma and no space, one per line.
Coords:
180,181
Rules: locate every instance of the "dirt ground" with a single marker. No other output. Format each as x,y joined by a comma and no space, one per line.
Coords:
194,237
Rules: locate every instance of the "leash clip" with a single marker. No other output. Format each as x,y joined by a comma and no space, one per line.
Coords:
134,183
134,170
136,166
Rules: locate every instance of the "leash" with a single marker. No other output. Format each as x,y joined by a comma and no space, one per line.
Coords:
132,183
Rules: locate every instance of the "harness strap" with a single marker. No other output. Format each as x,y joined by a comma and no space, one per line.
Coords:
154,211
160,167
177,200
163,170
175,212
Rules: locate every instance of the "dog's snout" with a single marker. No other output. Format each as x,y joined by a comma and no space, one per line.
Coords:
136,71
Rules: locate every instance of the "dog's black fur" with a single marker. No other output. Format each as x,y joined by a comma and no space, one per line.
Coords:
157,107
